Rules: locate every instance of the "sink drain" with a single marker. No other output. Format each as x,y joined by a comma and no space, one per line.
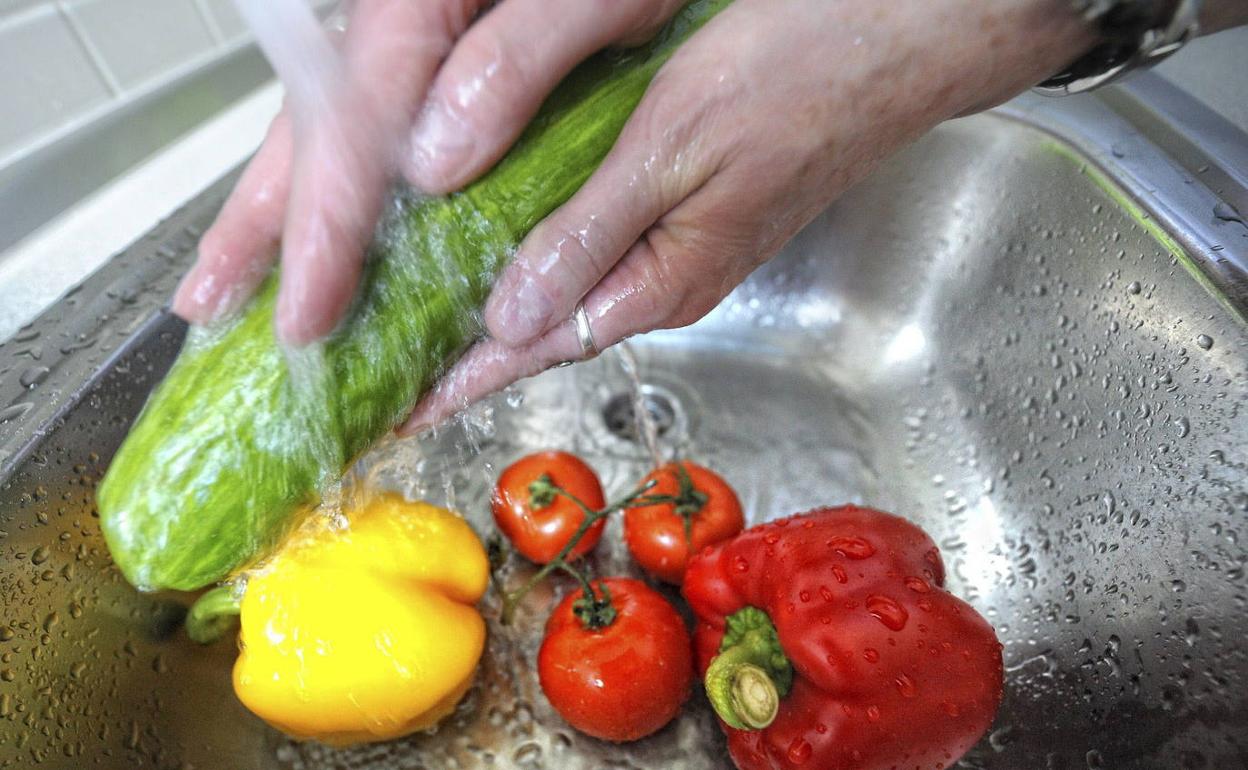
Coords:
620,417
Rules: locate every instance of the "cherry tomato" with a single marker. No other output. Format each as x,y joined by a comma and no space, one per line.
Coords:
657,535
537,522
622,681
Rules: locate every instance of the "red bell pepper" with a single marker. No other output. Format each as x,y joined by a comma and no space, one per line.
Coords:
827,641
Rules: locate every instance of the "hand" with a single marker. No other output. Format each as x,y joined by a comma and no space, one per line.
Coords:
753,127
317,184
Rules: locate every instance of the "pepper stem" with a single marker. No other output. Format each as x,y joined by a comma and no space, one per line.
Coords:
751,673
212,615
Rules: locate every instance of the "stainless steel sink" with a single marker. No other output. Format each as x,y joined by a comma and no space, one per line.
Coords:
1025,333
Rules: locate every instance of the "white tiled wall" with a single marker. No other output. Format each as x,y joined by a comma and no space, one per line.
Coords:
46,75
137,40
62,61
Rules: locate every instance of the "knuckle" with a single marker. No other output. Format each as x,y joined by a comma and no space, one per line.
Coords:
643,19
574,249
489,77
686,135
689,287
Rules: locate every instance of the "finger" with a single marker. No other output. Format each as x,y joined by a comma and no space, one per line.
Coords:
500,72
655,164
236,252
633,298
344,155
487,367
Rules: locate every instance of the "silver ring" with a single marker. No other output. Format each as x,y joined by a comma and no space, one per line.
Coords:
584,334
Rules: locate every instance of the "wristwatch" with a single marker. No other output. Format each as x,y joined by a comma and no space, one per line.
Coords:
1134,34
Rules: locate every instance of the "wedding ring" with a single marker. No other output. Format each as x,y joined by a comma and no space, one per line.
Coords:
584,334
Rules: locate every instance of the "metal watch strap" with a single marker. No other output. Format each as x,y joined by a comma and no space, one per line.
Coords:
1135,34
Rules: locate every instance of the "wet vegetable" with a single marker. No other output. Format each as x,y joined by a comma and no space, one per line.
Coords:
616,665
533,509
229,447
704,511
363,634
827,641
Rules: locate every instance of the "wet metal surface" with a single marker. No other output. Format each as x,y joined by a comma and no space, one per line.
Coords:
985,336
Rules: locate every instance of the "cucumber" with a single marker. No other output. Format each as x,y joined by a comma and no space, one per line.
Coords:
229,447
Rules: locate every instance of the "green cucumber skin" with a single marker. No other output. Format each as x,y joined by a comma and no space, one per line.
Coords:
227,449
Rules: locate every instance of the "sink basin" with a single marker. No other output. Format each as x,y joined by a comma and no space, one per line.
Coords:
1024,333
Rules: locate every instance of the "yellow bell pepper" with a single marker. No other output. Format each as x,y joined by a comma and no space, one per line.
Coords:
364,634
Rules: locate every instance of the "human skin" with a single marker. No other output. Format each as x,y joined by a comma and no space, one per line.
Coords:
756,124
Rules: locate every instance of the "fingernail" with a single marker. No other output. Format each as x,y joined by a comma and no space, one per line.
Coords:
421,420
441,146
522,314
200,297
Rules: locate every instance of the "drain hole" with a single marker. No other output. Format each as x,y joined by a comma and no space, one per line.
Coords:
619,416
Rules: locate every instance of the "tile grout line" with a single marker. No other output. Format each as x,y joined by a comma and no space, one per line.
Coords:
88,47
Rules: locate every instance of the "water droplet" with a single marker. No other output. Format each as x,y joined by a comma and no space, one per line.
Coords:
1001,738
1204,342
838,572
871,655
799,751
33,376
917,584
1227,213
527,753
852,547
873,713
906,686
887,611
740,564
1134,287
15,411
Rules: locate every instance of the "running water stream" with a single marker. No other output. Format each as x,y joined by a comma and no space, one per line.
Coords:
647,429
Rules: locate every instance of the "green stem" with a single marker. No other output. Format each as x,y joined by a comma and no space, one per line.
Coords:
542,491
212,615
594,613
511,600
688,502
751,673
